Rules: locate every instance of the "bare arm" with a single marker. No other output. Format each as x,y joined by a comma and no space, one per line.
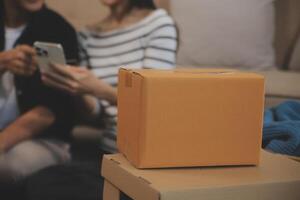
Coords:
104,91
80,81
87,107
25,127
85,85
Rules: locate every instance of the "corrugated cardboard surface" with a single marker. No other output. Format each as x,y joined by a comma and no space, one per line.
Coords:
129,100
190,117
277,178
110,191
295,158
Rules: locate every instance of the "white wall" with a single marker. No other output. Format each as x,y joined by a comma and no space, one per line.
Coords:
82,12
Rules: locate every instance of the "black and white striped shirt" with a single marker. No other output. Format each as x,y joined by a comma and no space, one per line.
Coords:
150,43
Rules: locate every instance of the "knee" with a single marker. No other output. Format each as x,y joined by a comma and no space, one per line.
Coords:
21,161
8,171
29,157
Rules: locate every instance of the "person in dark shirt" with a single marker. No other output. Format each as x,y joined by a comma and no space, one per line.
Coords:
35,120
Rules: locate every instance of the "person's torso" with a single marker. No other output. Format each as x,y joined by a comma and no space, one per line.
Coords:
46,26
106,52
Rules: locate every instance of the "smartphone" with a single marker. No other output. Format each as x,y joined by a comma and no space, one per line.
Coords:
49,53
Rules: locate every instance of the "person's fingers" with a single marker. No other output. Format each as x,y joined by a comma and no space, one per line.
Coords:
17,64
33,64
16,71
61,80
25,65
63,71
57,78
32,69
34,61
27,50
52,83
14,55
28,61
81,73
20,55
78,69
19,67
16,67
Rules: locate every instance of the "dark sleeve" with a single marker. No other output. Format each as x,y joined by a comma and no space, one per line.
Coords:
58,102
71,47
63,107
60,31
48,26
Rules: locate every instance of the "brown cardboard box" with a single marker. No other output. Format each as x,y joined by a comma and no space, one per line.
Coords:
190,117
276,178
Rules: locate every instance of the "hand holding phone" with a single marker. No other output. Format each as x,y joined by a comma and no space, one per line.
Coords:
19,61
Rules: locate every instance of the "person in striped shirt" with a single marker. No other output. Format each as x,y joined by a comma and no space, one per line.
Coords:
135,35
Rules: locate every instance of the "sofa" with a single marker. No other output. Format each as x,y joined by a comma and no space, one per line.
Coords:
281,84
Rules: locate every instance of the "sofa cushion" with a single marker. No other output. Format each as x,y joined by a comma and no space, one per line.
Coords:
287,28
281,86
295,58
232,33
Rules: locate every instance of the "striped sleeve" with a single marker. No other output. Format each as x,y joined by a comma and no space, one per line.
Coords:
162,47
83,55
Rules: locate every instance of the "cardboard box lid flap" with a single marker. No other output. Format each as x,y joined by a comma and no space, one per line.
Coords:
192,73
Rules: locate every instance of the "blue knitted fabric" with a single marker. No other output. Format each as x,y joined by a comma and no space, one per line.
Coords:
281,133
